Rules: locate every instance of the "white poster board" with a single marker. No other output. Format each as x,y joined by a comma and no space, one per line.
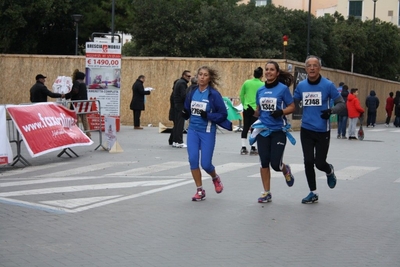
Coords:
111,134
103,78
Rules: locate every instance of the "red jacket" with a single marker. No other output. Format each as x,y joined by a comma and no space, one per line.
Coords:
389,104
353,106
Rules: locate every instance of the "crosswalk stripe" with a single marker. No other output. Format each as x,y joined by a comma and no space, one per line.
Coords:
351,172
77,202
66,189
224,168
163,182
48,180
84,169
34,168
37,206
377,130
294,167
151,169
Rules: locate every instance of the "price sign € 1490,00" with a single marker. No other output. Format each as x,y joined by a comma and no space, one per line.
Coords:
96,62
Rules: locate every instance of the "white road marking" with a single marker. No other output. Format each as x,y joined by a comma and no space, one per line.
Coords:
37,206
66,179
294,167
33,168
221,169
48,180
95,205
376,130
351,172
151,169
77,202
145,193
164,182
84,169
66,189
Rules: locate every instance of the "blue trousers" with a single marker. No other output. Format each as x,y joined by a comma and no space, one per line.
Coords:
201,142
342,124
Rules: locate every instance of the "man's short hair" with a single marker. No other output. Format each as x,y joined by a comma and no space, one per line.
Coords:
312,56
140,77
258,73
184,72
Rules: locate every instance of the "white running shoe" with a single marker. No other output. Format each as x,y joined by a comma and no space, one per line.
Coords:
182,145
174,144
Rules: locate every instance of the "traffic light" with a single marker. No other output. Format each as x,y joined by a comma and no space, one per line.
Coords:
285,40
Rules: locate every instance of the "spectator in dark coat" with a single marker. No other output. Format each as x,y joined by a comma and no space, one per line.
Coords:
137,103
372,104
171,115
180,89
39,91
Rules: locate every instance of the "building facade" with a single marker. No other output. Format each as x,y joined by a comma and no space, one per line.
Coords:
297,4
385,10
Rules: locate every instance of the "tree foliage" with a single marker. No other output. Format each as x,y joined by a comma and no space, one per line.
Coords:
203,28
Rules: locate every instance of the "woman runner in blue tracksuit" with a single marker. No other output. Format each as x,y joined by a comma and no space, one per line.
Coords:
274,101
205,108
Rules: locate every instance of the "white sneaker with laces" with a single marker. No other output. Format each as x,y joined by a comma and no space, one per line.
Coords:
173,144
182,145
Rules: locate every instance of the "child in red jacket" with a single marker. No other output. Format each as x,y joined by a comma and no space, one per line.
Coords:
354,112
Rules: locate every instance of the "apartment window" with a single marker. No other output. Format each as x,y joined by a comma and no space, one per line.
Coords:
355,8
263,2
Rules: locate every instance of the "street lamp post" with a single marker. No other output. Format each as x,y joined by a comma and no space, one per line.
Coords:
374,13
112,20
308,28
76,18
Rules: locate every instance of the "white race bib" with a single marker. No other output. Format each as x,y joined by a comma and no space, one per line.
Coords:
268,103
196,107
312,99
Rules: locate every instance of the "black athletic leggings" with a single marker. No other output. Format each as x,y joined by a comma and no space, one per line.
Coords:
270,150
248,120
315,150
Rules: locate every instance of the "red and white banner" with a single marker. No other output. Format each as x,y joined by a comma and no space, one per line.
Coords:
6,155
47,127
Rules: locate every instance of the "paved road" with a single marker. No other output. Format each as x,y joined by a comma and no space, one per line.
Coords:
134,208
